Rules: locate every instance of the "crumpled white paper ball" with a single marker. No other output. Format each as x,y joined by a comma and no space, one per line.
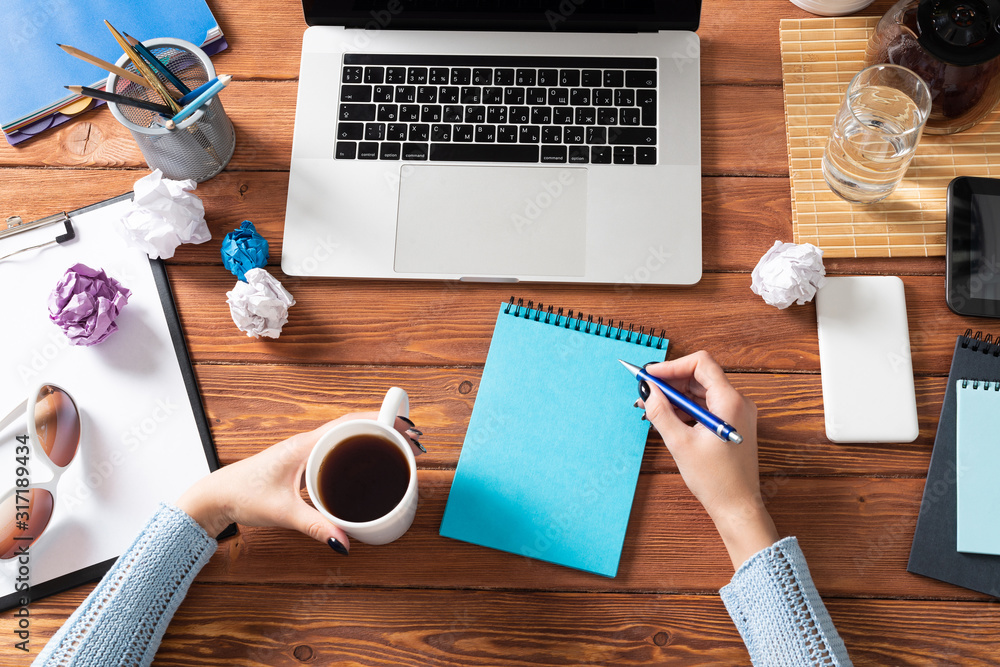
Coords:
260,305
789,273
163,215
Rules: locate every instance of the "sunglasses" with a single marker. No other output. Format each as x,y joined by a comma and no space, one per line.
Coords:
54,426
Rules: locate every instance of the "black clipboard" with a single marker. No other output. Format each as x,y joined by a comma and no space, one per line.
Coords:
97,570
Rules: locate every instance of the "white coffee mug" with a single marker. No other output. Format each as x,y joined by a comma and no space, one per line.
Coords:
387,527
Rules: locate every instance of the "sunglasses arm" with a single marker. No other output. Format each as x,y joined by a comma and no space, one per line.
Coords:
15,414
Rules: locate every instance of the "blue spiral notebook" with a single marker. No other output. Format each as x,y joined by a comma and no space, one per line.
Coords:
978,457
551,457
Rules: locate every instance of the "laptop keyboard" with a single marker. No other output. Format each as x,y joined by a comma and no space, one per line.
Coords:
527,109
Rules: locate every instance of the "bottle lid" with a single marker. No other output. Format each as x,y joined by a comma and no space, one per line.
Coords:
832,7
960,32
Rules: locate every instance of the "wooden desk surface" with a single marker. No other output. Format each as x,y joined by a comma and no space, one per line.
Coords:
271,597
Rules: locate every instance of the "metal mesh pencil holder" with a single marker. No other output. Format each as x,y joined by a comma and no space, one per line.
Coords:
202,144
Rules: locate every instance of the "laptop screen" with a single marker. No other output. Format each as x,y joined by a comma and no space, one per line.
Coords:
534,15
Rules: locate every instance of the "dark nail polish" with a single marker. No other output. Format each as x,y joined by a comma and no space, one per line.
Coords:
644,417
636,404
407,420
337,546
416,431
419,446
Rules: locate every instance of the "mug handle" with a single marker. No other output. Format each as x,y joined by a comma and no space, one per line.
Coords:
396,402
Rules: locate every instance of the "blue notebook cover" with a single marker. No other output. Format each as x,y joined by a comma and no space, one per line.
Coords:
978,462
33,69
552,454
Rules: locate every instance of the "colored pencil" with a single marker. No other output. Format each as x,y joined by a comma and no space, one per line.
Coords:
188,97
120,99
156,64
143,68
105,65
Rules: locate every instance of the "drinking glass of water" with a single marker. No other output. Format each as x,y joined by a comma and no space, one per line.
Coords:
875,133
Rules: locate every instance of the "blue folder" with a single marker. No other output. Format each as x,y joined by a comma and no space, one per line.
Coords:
33,69
978,462
551,457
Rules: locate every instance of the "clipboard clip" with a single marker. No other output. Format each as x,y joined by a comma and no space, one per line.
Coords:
15,226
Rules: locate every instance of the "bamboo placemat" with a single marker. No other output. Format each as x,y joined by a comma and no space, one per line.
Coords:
818,59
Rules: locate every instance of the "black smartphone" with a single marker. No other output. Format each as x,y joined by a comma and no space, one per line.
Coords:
972,276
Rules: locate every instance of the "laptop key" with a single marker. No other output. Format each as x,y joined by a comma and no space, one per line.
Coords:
579,154
346,150
461,76
452,113
374,131
572,135
382,93
597,135
591,78
614,78
486,133
387,112
492,95
553,154
536,96
352,75
465,133
520,115
482,76
636,136
367,150
624,155
548,77
395,75
629,116
645,154
562,115
350,130
646,99
558,96
507,134
603,97
449,95
438,76
414,151
579,97
472,95
483,153
355,93
496,114
513,95
440,132
475,114
640,79
600,154
420,132
409,113
551,135
569,77
406,94
541,115
525,77
529,134
357,112
504,77
396,131
416,75
624,97
586,116
389,150
427,94
430,113
607,116
374,74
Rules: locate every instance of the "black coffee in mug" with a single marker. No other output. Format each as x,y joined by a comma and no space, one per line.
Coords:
363,478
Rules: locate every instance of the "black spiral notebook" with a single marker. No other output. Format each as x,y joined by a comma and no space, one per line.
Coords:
934,552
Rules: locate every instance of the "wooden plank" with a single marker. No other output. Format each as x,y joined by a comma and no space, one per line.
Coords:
446,322
854,531
330,624
290,399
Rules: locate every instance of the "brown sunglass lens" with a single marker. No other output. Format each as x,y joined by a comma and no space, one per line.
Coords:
57,424
23,517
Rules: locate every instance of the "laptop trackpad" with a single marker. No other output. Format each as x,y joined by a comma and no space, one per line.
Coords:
492,221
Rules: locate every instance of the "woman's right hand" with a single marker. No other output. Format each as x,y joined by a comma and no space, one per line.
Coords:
723,476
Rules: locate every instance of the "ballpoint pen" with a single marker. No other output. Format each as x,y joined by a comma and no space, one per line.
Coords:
197,103
701,415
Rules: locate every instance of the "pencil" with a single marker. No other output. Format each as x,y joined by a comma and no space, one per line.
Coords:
143,68
105,65
120,99
156,64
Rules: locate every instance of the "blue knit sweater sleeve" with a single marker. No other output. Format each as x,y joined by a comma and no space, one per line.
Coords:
778,612
123,620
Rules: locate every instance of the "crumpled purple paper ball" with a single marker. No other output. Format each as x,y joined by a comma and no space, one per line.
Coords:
244,249
85,304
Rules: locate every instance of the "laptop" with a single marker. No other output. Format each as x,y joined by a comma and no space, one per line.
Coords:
481,140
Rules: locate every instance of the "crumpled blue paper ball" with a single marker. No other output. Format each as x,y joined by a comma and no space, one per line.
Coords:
244,249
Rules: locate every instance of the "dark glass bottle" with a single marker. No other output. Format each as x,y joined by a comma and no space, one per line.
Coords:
954,46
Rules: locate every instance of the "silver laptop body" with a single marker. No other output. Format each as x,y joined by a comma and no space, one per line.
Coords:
415,215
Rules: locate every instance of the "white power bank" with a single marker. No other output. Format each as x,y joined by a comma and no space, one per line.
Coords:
864,355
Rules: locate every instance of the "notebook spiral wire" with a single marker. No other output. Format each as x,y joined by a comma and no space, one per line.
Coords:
585,323
975,342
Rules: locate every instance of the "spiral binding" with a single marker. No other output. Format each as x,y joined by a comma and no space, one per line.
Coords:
987,384
585,323
975,342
